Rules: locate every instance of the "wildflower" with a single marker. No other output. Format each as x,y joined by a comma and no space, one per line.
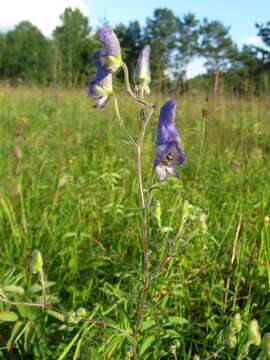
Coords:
142,73
168,149
100,86
111,52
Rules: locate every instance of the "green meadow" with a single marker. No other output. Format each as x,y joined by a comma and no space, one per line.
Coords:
68,188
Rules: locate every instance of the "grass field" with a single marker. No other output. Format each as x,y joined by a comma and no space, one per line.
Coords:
71,192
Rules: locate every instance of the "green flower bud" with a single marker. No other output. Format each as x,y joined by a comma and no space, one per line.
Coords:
202,219
254,333
71,317
185,211
81,313
37,262
266,345
231,339
237,322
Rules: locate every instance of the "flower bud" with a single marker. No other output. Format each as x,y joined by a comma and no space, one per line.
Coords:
231,339
266,345
81,313
202,219
185,210
237,322
254,333
71,317
142,73
37,262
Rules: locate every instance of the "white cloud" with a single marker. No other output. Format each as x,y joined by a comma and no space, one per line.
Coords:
42,13
253,40
196,68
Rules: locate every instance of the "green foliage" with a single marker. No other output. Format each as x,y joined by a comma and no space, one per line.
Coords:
160,33
78,205
72,48
186,42
25,54
264,32
216,45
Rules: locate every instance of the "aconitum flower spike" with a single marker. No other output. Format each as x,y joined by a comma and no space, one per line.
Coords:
111,52
100,86
142,74
168,148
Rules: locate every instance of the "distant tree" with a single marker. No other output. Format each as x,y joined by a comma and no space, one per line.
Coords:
72,46
130,38
159,32
264,33
187,36
217,47
2,54
26,55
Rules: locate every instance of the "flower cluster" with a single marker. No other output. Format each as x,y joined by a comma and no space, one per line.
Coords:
169,152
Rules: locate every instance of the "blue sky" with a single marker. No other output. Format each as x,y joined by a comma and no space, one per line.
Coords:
240,15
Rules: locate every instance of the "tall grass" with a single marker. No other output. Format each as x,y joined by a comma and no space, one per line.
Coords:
77,203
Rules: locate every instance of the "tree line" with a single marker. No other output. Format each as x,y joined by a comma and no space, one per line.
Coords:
27,56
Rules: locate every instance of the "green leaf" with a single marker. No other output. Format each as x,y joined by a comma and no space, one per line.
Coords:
148,324
14,333
14,289
147,344
177,320
8,316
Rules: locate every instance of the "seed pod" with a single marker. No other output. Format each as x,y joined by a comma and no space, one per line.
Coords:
237,322
266,345
37,262
254,334
231,339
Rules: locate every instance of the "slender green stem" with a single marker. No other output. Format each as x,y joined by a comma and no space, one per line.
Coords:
202,140
43,285
143,296
121,122
128,87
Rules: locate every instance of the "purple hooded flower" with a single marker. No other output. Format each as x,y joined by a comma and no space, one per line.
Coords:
142,73
168,149
111,52
100,86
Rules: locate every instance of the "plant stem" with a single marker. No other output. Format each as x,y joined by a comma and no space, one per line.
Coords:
128,87
121,122
43,285
144,226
